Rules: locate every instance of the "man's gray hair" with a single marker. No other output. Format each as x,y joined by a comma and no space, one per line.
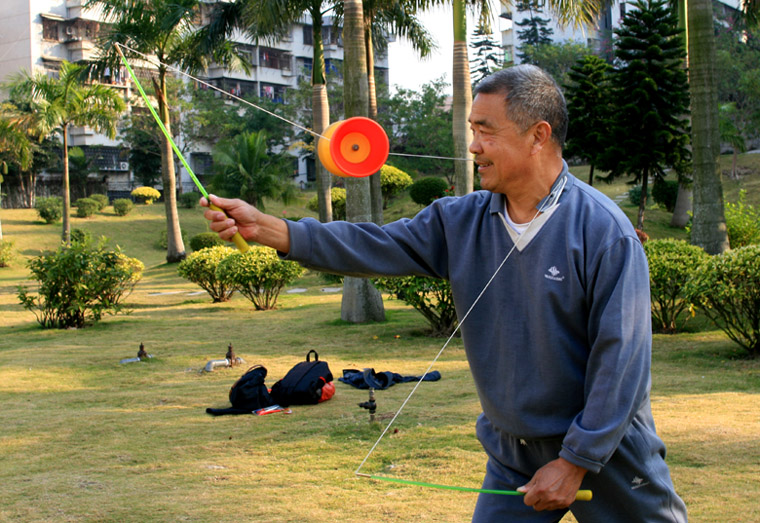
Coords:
530,95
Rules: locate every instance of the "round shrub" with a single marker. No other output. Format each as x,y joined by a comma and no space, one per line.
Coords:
80,236
204,240
6,253
200,268
634,194
86,207
665,193
425,190
189,200
727,290
102,200
338,197
259,275
145,195
49,209
122,206
671,263
392,182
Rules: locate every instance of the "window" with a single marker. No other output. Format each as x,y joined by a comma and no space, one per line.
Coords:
275,59
308,35
49,29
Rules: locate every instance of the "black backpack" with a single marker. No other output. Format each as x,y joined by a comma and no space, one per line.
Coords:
304,383
247,394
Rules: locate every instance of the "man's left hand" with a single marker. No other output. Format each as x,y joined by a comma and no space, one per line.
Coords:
554,485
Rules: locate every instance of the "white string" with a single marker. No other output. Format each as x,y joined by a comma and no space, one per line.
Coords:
215,88
551,200
246,102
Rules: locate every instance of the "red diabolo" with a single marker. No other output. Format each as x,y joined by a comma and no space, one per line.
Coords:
355,147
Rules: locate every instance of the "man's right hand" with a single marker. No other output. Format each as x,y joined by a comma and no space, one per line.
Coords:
253,225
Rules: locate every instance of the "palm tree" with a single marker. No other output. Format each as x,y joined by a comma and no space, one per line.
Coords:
246,169
362,302
164,29
15,147
397,17
462,99
59,103
271,18
709,223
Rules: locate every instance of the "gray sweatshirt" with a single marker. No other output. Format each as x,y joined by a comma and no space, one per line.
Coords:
560,343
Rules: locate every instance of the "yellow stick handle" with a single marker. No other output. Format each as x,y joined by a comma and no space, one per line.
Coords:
238,240
583,495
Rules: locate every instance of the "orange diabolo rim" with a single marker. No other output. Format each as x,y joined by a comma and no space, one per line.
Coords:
355,147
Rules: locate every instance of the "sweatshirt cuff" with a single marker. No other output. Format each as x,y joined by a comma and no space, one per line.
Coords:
300,240
588,464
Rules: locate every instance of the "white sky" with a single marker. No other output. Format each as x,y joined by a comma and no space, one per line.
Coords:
408,71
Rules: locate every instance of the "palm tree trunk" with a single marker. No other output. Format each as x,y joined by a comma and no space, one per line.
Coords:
709,225
462,91
362,302
320,109
376,192
643,201
175,248
66,236
683,206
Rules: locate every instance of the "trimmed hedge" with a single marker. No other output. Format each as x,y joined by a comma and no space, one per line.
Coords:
49,209
123,206
425,190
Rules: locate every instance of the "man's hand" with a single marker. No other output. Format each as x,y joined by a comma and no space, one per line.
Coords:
252,224
553,486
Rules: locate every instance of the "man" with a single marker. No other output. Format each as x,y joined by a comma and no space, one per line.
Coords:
559,343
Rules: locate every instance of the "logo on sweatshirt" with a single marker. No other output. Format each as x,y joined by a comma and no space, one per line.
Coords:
553,273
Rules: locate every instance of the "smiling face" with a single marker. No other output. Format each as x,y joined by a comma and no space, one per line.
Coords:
502,150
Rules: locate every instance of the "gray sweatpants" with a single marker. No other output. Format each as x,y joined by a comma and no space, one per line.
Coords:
634,486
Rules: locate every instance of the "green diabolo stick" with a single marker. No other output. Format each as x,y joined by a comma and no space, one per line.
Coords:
582,495
240,243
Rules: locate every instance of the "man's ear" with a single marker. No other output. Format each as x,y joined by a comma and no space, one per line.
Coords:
542,134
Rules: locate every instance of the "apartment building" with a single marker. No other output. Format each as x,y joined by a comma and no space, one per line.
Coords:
597,36
37,35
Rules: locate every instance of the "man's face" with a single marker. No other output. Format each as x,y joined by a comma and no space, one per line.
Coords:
501,150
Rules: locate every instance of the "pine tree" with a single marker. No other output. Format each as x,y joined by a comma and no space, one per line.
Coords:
588,106
651,98
489,56
534,30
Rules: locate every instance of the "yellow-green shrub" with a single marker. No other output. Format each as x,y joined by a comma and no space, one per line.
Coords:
259,275
727,290
671,263
200,268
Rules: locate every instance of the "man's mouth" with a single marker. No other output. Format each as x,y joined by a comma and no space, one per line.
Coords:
482,164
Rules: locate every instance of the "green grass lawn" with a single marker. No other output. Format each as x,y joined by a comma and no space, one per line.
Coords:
87,439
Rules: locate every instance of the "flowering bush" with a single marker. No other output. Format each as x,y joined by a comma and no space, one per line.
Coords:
145,195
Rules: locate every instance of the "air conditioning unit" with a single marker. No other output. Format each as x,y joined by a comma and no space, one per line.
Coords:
124,166
69,30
